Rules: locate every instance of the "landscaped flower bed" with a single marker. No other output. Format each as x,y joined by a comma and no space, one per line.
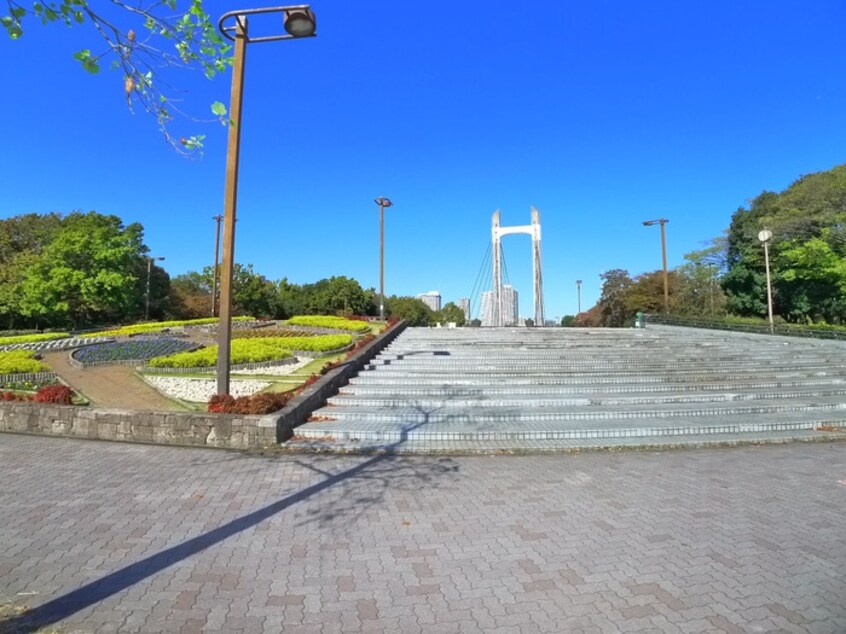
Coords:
137,329
20,362
140,349
328,321
254,351
47,336
58,394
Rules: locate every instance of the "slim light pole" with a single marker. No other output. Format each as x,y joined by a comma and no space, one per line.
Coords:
217,219
662,222
765,236
149,271
298,21
579,296
382,202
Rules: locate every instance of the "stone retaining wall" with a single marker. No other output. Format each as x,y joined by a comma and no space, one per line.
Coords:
231,431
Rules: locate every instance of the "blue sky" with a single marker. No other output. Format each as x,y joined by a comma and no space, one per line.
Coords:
600,114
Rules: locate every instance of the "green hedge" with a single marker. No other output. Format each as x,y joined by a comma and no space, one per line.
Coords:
20,362
5,341
328,321
253,351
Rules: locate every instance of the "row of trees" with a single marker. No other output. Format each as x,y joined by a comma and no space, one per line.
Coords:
87,269
807,261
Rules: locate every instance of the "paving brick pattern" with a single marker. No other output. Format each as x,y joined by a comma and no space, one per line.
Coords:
101,537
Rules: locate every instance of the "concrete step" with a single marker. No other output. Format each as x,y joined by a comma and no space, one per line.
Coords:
558,430
516,399
415,390
486,446
594,378
518,415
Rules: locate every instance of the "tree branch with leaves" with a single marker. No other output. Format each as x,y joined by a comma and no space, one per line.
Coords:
142,40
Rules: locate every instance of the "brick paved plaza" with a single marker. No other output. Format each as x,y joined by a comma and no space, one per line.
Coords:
100,537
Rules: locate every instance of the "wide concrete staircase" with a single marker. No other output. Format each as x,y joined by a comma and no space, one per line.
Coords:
520,389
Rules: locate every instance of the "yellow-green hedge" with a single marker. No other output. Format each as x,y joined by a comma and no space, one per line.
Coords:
47,336
138,329
253,351
20,362
328,321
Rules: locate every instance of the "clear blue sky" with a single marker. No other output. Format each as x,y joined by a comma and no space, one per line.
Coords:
600,114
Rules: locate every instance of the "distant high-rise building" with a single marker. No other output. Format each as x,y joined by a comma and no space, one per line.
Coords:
464,304
432,299
510,307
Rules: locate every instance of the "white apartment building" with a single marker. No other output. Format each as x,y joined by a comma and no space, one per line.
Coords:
510,307
432,299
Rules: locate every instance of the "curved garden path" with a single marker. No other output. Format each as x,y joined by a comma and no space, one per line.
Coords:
109,386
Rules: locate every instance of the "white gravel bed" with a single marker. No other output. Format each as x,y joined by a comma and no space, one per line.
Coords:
201,390
277,370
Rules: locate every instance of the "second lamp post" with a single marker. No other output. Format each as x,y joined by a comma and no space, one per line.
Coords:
662,222
382,202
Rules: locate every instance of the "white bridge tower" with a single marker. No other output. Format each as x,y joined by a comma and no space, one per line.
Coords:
533,230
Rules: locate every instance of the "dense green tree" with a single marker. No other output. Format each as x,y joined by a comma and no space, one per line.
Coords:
646,292
613,310
190,296
450,313
291,298
808,223
22,239
252,293
413,310
88,273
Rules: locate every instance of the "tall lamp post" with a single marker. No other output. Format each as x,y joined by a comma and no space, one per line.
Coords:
382,202
579,297
662,222
765,236
217,219
298,21
150,260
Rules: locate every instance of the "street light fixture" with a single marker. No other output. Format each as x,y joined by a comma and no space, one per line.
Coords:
662,222
383,203
298,21
765,236
579,296
149,270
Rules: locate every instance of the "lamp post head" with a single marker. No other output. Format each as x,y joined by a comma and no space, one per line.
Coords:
658,221
300,22
578,282
383,202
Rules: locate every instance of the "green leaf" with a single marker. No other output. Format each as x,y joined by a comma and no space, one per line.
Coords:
82,55
218,109
90,64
